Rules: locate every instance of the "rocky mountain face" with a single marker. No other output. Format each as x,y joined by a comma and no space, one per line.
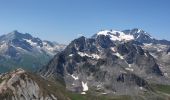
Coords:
21,85
23,50
111,65
110,62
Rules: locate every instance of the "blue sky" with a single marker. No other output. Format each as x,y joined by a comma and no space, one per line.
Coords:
63,20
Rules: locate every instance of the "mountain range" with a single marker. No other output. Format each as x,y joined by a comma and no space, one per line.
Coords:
110,65
23,50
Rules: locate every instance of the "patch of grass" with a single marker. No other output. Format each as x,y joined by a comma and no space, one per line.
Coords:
7,95
74,96
161,88
1,80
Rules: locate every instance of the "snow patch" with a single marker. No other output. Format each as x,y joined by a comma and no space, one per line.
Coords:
85,87
119,55
113,49
70,55
129,69
83,54
75,77
83,92
73,84
141,88
99,86
94,56
30,42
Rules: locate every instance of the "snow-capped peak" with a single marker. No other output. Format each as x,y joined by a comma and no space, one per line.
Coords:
137,33
141,32
116,35
104,32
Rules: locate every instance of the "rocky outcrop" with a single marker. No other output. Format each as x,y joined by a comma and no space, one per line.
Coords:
20,85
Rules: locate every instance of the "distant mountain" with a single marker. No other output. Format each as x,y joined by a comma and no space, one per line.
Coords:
23,50
144,37
135,34
110,62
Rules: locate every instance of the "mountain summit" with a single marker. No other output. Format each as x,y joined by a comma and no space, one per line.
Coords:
23,50
116,35
135,34
109,62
